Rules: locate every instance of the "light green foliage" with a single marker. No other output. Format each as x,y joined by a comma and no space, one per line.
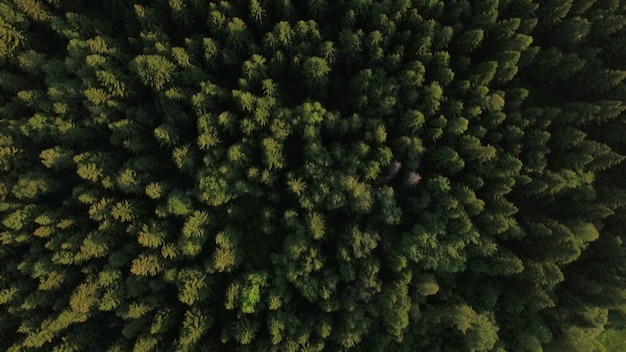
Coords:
32,185
56,157
194,286
154,70
179,204
123,211
146,265
612,340
151,236
83,297
251,293
296,186
154,190
316,71
317,226
195,325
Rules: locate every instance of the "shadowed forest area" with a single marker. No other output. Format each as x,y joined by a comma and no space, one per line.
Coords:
312,175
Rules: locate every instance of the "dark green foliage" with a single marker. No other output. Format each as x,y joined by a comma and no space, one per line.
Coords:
283,175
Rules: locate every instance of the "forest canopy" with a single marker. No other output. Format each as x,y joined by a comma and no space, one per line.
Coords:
312,175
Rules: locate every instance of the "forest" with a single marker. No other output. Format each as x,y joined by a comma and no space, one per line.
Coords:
312,175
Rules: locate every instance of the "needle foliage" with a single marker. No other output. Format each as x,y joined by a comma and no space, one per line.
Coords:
314,175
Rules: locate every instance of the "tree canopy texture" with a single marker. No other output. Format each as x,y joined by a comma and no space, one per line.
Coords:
312,175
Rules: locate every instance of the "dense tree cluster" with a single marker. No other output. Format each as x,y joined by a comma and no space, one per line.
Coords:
286,175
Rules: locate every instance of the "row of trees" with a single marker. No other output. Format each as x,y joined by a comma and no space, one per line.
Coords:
311,175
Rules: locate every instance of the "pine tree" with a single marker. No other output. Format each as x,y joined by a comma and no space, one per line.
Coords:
154,70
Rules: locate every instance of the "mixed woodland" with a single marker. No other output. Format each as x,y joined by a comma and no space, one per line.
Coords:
312,175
